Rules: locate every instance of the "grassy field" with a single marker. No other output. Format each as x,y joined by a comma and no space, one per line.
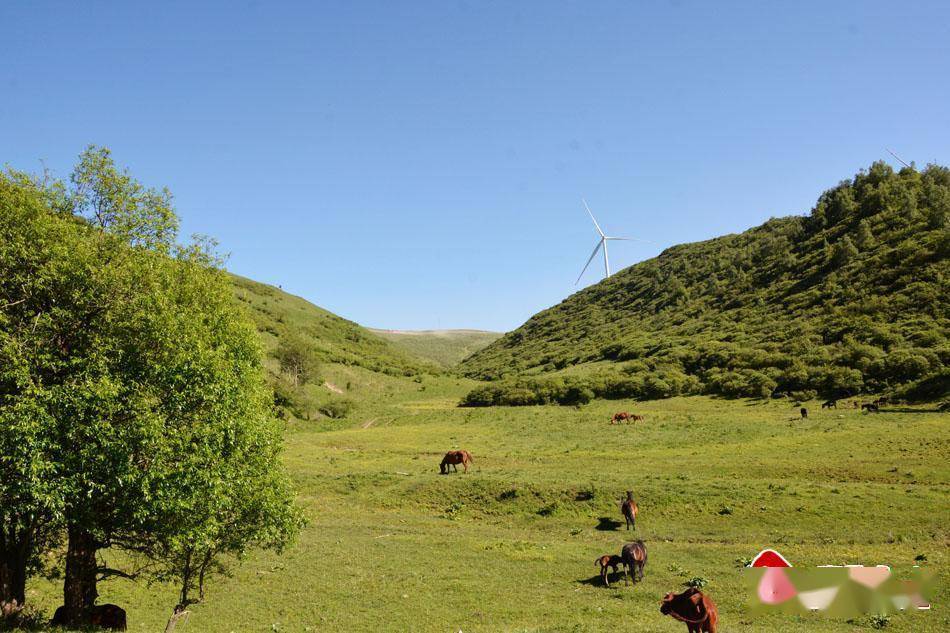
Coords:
444,347
393,546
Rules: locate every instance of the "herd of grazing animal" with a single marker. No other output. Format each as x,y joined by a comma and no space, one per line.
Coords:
693,607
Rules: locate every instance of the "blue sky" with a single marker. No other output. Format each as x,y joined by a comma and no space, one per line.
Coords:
421,164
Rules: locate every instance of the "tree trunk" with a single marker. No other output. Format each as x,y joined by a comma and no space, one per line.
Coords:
177,615
14,553
79,587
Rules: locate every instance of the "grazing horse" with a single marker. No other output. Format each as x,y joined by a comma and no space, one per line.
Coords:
870,407
634,558
694,608
630,510
104,616
804,413
830,404
620,417
607,560
455,457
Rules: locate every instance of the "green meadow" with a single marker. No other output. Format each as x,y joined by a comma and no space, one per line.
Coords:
391,545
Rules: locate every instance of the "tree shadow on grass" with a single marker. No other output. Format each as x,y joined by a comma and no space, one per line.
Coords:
606,524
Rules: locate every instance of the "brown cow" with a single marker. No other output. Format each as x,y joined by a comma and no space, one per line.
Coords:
620,417
870,407
104,616
630,510
634,557
830,404
605,561
636,418
804,412
455,457
694,608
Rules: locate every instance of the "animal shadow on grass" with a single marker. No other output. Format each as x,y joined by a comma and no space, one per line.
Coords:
606,524
595,580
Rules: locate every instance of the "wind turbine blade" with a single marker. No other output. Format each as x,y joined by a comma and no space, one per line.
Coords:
592,217
630,239
589,259
897,157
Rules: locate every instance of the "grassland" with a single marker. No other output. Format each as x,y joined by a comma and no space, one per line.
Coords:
443,347
393,546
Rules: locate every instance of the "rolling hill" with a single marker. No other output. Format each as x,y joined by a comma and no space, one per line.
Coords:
851,298
443,347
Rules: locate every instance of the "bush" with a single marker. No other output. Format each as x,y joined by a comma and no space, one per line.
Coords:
337,409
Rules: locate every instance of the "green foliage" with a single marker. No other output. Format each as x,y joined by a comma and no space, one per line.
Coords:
297,358
337,408
135,384
853,298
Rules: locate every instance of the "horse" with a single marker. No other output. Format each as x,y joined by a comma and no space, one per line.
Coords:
830,404
694,608
636,418
634,558
620,417
455,457
630,510
608,560
104,616
804,413
870,407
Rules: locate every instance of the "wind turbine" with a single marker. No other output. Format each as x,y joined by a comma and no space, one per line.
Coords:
601,243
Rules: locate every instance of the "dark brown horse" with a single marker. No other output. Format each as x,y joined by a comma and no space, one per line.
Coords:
630,510
804,412
104,616
694,608
634,558
870,407
605,561
455,457
619,417
830,404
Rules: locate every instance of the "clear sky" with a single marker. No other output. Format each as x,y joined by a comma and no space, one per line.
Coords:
421,164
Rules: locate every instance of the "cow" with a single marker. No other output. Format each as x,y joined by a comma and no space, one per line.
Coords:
636,418
620,417
804,413
634,558
455,457
608,560
630,510
104,616
694,608
830,404
870,407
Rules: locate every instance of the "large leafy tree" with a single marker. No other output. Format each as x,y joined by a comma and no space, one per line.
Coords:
151,388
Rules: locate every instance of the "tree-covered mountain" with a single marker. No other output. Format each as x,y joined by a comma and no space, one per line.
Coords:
851,298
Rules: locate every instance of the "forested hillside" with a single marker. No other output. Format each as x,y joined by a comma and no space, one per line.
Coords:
851,298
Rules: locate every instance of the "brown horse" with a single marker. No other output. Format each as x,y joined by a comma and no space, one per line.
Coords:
619,417
630,510
694,608
104,616
830,404
804,412
634,558
636,418
870,407
455,457
605,561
